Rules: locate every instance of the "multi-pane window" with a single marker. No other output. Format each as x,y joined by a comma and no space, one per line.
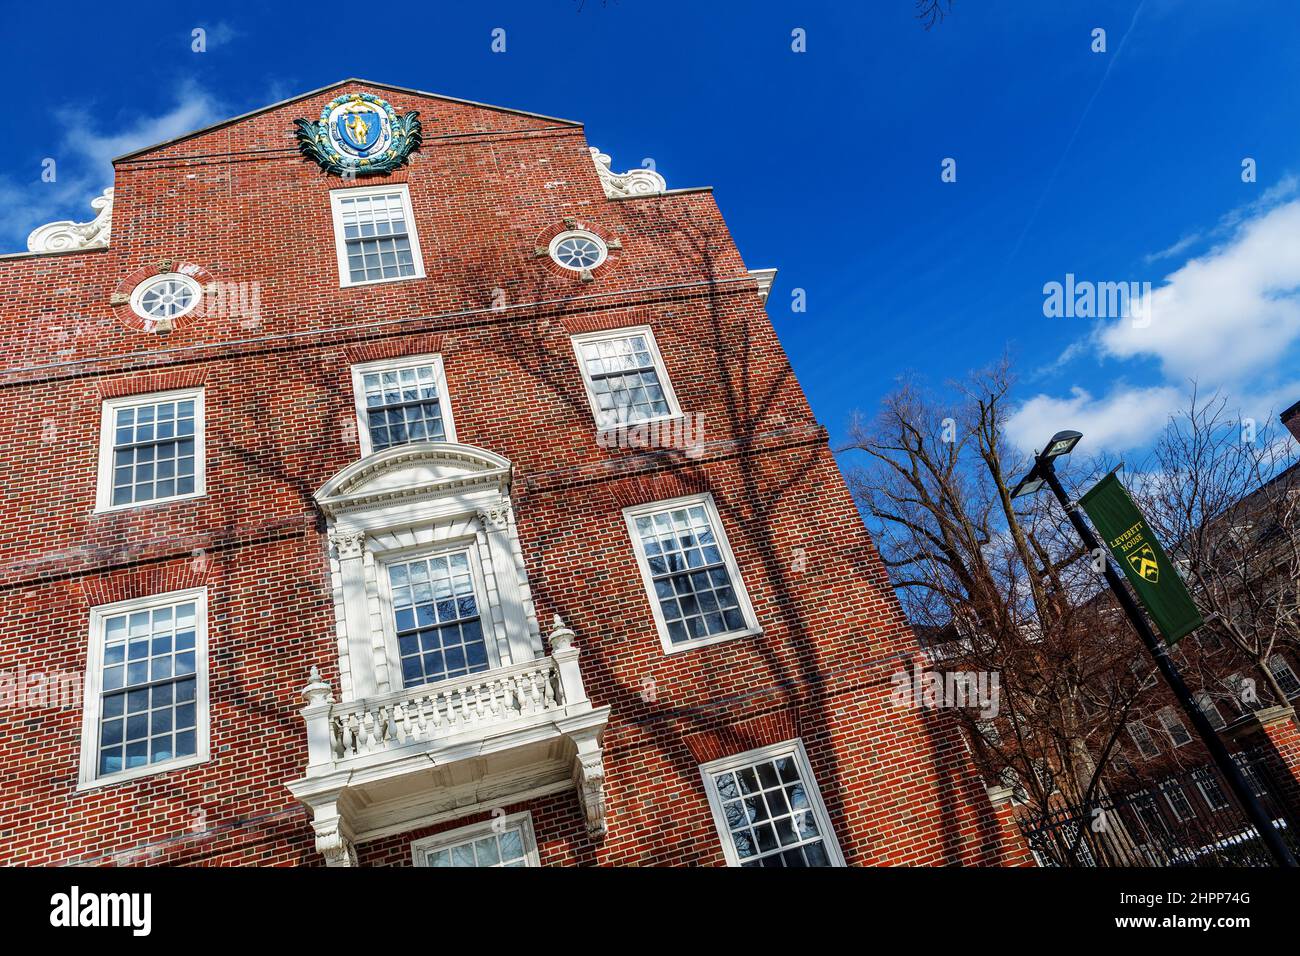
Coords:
507,842
437,618
401,402
1210,789
166,296
1211,711
578,250
1174,727
1153,821
1142,739
375,235
625,378
1178,802
694,585
767,810
1284,675
1242,691
151,449
146,687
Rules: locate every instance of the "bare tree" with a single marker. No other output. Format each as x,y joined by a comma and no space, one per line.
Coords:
1225,496
930,12
1005,586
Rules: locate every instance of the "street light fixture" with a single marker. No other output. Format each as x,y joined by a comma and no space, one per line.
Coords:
1062,443
1029,484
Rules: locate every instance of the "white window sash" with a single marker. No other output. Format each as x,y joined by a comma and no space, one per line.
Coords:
340,239
670,397
1204,782
1281,670
107,436
1170,791
394,365
1211,711
386,559
751,627
88,777
789,748
422,849
1142,740
1171,722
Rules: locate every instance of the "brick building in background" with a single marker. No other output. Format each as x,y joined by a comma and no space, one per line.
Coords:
462,513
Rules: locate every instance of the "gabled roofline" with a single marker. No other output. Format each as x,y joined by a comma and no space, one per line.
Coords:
330,86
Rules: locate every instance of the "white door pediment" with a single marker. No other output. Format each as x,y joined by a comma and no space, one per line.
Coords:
418,470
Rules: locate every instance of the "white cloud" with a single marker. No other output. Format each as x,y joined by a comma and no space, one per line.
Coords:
1127,418
1227,320
1229,313
194,109
83,161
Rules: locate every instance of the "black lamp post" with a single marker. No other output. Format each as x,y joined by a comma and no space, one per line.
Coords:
1044,473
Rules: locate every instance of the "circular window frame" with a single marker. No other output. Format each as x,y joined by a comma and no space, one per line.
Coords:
600,244
138,294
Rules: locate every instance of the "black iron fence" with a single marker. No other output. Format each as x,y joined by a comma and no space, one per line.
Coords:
1190,819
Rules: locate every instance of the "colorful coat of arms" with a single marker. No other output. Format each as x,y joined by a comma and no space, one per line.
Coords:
359,134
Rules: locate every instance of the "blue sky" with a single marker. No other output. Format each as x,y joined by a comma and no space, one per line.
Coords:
1116,166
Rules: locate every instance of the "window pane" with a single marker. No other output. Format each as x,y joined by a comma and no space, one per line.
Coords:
436,613
691,580
623,380
152,445
494,850
375,234
767,815
402,406
144,702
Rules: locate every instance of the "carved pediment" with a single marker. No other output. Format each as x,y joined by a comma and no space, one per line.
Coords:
415,471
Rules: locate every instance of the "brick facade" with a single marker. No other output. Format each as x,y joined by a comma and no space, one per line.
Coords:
487,187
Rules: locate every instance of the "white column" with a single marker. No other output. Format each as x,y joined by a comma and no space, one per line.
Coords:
350,548
496,526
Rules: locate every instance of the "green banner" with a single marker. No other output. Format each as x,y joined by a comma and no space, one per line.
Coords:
1148,568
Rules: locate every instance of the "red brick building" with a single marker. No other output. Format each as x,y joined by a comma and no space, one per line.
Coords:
304,470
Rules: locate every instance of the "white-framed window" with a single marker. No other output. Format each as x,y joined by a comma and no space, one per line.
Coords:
166,296
1176,797
696,592
151,449
1174,727
625,377
146,705
375,235
1011,780
1241,691
1284,675
1211,791
1148,813
1141,737
399,401
500,842
436,626
987,730
1211,711
768,810
578,250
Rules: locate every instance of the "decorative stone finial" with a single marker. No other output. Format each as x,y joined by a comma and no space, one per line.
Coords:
317,691
561,637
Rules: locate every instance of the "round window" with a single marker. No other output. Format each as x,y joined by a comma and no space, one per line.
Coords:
578,250
166,296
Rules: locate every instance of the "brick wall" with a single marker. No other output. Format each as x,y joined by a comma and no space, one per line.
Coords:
486,187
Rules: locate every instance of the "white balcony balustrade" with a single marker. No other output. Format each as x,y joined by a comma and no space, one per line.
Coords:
391,763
